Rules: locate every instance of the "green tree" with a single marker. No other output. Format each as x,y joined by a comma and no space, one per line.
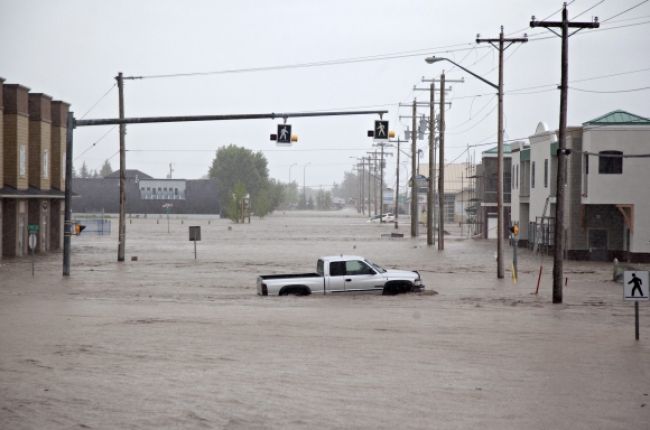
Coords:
106,169
234,204
84,172
233,164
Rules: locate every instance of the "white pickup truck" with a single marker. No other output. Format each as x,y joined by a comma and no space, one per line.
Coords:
338,274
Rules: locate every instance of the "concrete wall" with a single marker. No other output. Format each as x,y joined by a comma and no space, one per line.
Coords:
540,149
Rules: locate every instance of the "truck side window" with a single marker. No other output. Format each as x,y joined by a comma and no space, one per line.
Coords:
319,267
355,267
337,268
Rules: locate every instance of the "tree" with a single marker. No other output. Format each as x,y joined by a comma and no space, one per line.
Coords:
234,207
106,169
236,165
84,172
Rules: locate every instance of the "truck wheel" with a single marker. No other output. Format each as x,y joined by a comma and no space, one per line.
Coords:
295,291
395,288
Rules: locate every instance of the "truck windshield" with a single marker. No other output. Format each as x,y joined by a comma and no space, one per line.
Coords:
376,266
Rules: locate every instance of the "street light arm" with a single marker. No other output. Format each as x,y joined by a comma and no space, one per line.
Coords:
434,59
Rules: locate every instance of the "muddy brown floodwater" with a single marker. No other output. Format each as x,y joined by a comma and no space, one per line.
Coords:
168,341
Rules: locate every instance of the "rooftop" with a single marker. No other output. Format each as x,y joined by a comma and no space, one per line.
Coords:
619,117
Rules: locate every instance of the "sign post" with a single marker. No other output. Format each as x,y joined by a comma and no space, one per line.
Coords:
167,207
33,241
195,235
636,288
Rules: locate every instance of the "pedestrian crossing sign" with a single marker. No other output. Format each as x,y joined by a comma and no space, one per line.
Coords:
635,285
381,130
284,133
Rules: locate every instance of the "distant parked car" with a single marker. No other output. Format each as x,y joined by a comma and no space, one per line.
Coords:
387,217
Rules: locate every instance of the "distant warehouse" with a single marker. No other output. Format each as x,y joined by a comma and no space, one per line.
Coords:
145,195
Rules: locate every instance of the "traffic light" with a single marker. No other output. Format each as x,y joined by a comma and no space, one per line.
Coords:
514,229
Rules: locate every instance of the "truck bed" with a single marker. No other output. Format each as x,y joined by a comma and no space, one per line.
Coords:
291,275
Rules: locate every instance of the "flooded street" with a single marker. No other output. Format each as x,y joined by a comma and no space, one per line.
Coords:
168,341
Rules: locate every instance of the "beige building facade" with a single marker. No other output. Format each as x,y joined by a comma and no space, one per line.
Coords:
32,161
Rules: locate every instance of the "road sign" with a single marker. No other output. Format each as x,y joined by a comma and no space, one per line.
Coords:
32,228
284,133
635,285
381,130
32,241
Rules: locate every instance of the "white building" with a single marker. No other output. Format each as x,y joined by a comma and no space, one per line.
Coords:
607,206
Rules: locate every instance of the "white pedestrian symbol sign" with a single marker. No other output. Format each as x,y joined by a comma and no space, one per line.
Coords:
284,133
381,130
635,285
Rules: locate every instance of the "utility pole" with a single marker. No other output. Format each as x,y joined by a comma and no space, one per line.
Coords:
431,192
414,185
122,226
441,168
396,211
564,25
381,186
432,138
361,184
501,47
369,198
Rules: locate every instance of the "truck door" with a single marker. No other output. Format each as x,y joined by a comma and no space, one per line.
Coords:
336,279
361,277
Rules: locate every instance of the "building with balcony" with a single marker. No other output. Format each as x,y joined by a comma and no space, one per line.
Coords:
607,200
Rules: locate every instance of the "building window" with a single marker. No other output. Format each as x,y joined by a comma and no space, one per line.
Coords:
532,174
586,164
546,173
46,164
22,161
517,176
610,162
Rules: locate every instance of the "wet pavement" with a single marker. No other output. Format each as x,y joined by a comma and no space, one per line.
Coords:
168,341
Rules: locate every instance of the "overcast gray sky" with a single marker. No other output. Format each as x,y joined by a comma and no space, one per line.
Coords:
73,49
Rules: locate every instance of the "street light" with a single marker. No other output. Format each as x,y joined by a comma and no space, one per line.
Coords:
499,88
290,167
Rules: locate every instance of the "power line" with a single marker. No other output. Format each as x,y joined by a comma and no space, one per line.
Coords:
96,142
588,9
626,10
98,101
459,47
631,90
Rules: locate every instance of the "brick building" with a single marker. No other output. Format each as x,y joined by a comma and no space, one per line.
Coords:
32,168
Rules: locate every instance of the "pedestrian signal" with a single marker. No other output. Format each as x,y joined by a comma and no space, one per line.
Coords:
284,133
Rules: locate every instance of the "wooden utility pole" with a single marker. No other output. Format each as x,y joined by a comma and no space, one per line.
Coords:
500,44
432,157
564,26
369,183
361,184
441,167
414,185
396,211
122,225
